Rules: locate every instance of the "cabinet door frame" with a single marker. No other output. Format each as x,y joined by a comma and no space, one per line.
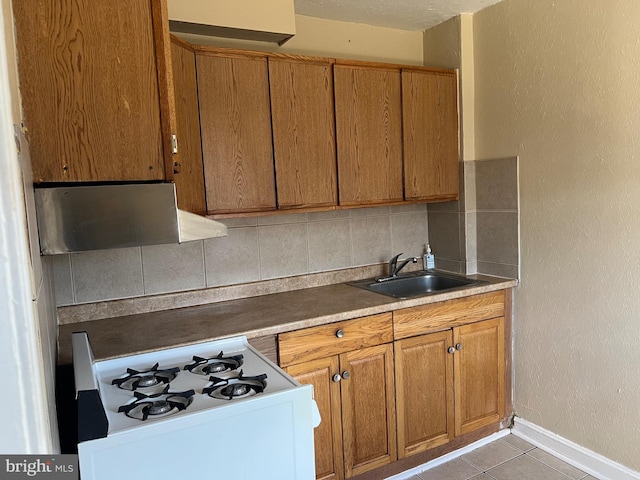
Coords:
483,366
411,403
352,412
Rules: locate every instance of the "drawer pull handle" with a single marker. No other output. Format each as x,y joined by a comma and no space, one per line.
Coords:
337,377
346,375
451,350
340,333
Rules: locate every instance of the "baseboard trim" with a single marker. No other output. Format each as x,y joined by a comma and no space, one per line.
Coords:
449,456
572,453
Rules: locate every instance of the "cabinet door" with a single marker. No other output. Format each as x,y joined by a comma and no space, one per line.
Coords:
235,121
479,374
368,408
328,435
430,130
188,174
424,392
303,132
368,130
93,77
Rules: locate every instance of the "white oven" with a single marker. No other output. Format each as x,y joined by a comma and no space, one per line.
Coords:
218,410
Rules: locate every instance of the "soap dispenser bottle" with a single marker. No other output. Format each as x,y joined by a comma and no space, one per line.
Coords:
428,260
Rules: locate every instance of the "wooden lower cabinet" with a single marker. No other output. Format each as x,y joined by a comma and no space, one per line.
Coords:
368,409
479,374
424,392
430,378
354,390
448,384
328,435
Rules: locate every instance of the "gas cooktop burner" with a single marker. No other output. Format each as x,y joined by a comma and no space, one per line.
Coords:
214,365
148,378
162,403
236,387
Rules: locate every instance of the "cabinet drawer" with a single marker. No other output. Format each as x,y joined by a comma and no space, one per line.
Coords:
325,340
410,322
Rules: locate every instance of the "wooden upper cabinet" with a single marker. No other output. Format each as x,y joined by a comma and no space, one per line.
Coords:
95,79
235,117
430,130
303,132
188,174
369,134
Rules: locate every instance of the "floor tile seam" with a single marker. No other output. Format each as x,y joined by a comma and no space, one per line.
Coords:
497,464
552,468
473,465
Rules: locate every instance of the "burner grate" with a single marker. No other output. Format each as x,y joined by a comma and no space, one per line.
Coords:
215,365
158,404
236,387
135,379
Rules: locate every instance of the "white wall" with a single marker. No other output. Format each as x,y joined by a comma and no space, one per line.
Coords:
556,83
330,38
27,309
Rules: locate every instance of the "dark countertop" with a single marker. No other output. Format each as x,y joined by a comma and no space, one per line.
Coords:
254,317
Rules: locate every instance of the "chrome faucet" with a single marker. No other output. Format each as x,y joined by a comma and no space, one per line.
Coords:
394,269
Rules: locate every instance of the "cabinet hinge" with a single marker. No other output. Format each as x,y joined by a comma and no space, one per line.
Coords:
174,144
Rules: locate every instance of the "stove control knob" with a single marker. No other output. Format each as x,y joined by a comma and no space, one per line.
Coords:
340,333
337,377
346,375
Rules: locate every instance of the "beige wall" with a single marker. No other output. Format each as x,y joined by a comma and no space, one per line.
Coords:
330,38
557,85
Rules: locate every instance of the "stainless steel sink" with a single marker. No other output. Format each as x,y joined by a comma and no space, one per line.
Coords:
415,284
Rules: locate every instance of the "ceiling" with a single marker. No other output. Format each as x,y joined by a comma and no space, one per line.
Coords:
403,14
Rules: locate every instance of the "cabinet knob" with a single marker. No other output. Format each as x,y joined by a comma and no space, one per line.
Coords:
346,375
337,378
458,346
451,350
340,333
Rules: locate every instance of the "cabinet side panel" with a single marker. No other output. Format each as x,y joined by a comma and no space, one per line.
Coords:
303,133
235,121
90,92
189,178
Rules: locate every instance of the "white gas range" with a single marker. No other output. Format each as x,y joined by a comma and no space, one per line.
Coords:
216,409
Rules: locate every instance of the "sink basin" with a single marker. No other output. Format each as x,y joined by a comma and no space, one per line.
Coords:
415,284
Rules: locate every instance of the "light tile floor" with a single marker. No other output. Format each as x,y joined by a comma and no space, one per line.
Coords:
508,458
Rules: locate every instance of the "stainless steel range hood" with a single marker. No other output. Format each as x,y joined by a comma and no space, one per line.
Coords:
96,217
